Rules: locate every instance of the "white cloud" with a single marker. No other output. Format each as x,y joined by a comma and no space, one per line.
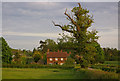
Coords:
109,38
53,35
35,20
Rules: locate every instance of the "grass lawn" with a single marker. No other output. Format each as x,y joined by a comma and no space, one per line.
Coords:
39,73
50,73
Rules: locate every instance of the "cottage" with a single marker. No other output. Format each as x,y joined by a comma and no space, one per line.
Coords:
57,57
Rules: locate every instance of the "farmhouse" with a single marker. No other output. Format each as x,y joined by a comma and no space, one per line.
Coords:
57,57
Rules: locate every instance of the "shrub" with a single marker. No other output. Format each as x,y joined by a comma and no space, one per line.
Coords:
37,66
69,61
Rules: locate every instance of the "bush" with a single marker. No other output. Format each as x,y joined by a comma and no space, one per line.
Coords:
69,61
84,64
37,66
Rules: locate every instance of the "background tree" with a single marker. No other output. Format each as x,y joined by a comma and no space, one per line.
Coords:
0,51
42,46
23,59
80,21
48,44
34,50
69,61
16,58
6,51
111,54
45,58
37,56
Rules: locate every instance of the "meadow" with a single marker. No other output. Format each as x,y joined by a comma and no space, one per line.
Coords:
38,73
52,73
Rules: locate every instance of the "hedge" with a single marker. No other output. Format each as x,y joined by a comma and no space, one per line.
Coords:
110,68
37,66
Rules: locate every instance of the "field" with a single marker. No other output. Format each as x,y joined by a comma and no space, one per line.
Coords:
31,73
49,73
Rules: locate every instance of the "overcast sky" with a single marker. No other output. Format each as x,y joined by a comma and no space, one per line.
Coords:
26,23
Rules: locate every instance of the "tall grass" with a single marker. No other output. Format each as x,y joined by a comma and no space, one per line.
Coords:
97,74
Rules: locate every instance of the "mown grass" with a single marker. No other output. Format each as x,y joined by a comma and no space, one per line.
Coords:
31,73
50,73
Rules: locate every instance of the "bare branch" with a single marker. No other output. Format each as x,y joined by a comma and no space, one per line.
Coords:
78,28
79,7
70,18
56,24
62,27
77,13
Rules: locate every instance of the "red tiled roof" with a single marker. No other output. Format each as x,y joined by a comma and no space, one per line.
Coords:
57,54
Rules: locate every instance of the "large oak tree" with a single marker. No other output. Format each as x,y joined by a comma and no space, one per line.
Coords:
87,48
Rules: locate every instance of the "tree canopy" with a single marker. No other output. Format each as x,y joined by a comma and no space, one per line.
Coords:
47,44
85,40
6,51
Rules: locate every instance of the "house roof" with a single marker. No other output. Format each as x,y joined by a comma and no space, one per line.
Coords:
57,54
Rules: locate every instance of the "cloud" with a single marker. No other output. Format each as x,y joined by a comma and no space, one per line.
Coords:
53,35
0,19
109,38
34,20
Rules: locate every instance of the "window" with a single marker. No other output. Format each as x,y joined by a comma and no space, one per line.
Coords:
50,59
61,63
56,59
62,59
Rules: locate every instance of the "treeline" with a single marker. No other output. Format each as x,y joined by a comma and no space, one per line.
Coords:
38,55
111,54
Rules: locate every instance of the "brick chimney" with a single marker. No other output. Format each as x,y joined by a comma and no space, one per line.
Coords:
48,51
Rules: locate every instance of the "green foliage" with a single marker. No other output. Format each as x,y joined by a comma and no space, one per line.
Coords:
111,54
29,60
6,51
110,66
23,59
48,44
37,66
99,57
34,50
0,52
97,74
45,58
69,61
16,58
83,42
112,62
37,56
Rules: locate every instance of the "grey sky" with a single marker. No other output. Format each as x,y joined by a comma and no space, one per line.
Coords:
25,23
60,0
